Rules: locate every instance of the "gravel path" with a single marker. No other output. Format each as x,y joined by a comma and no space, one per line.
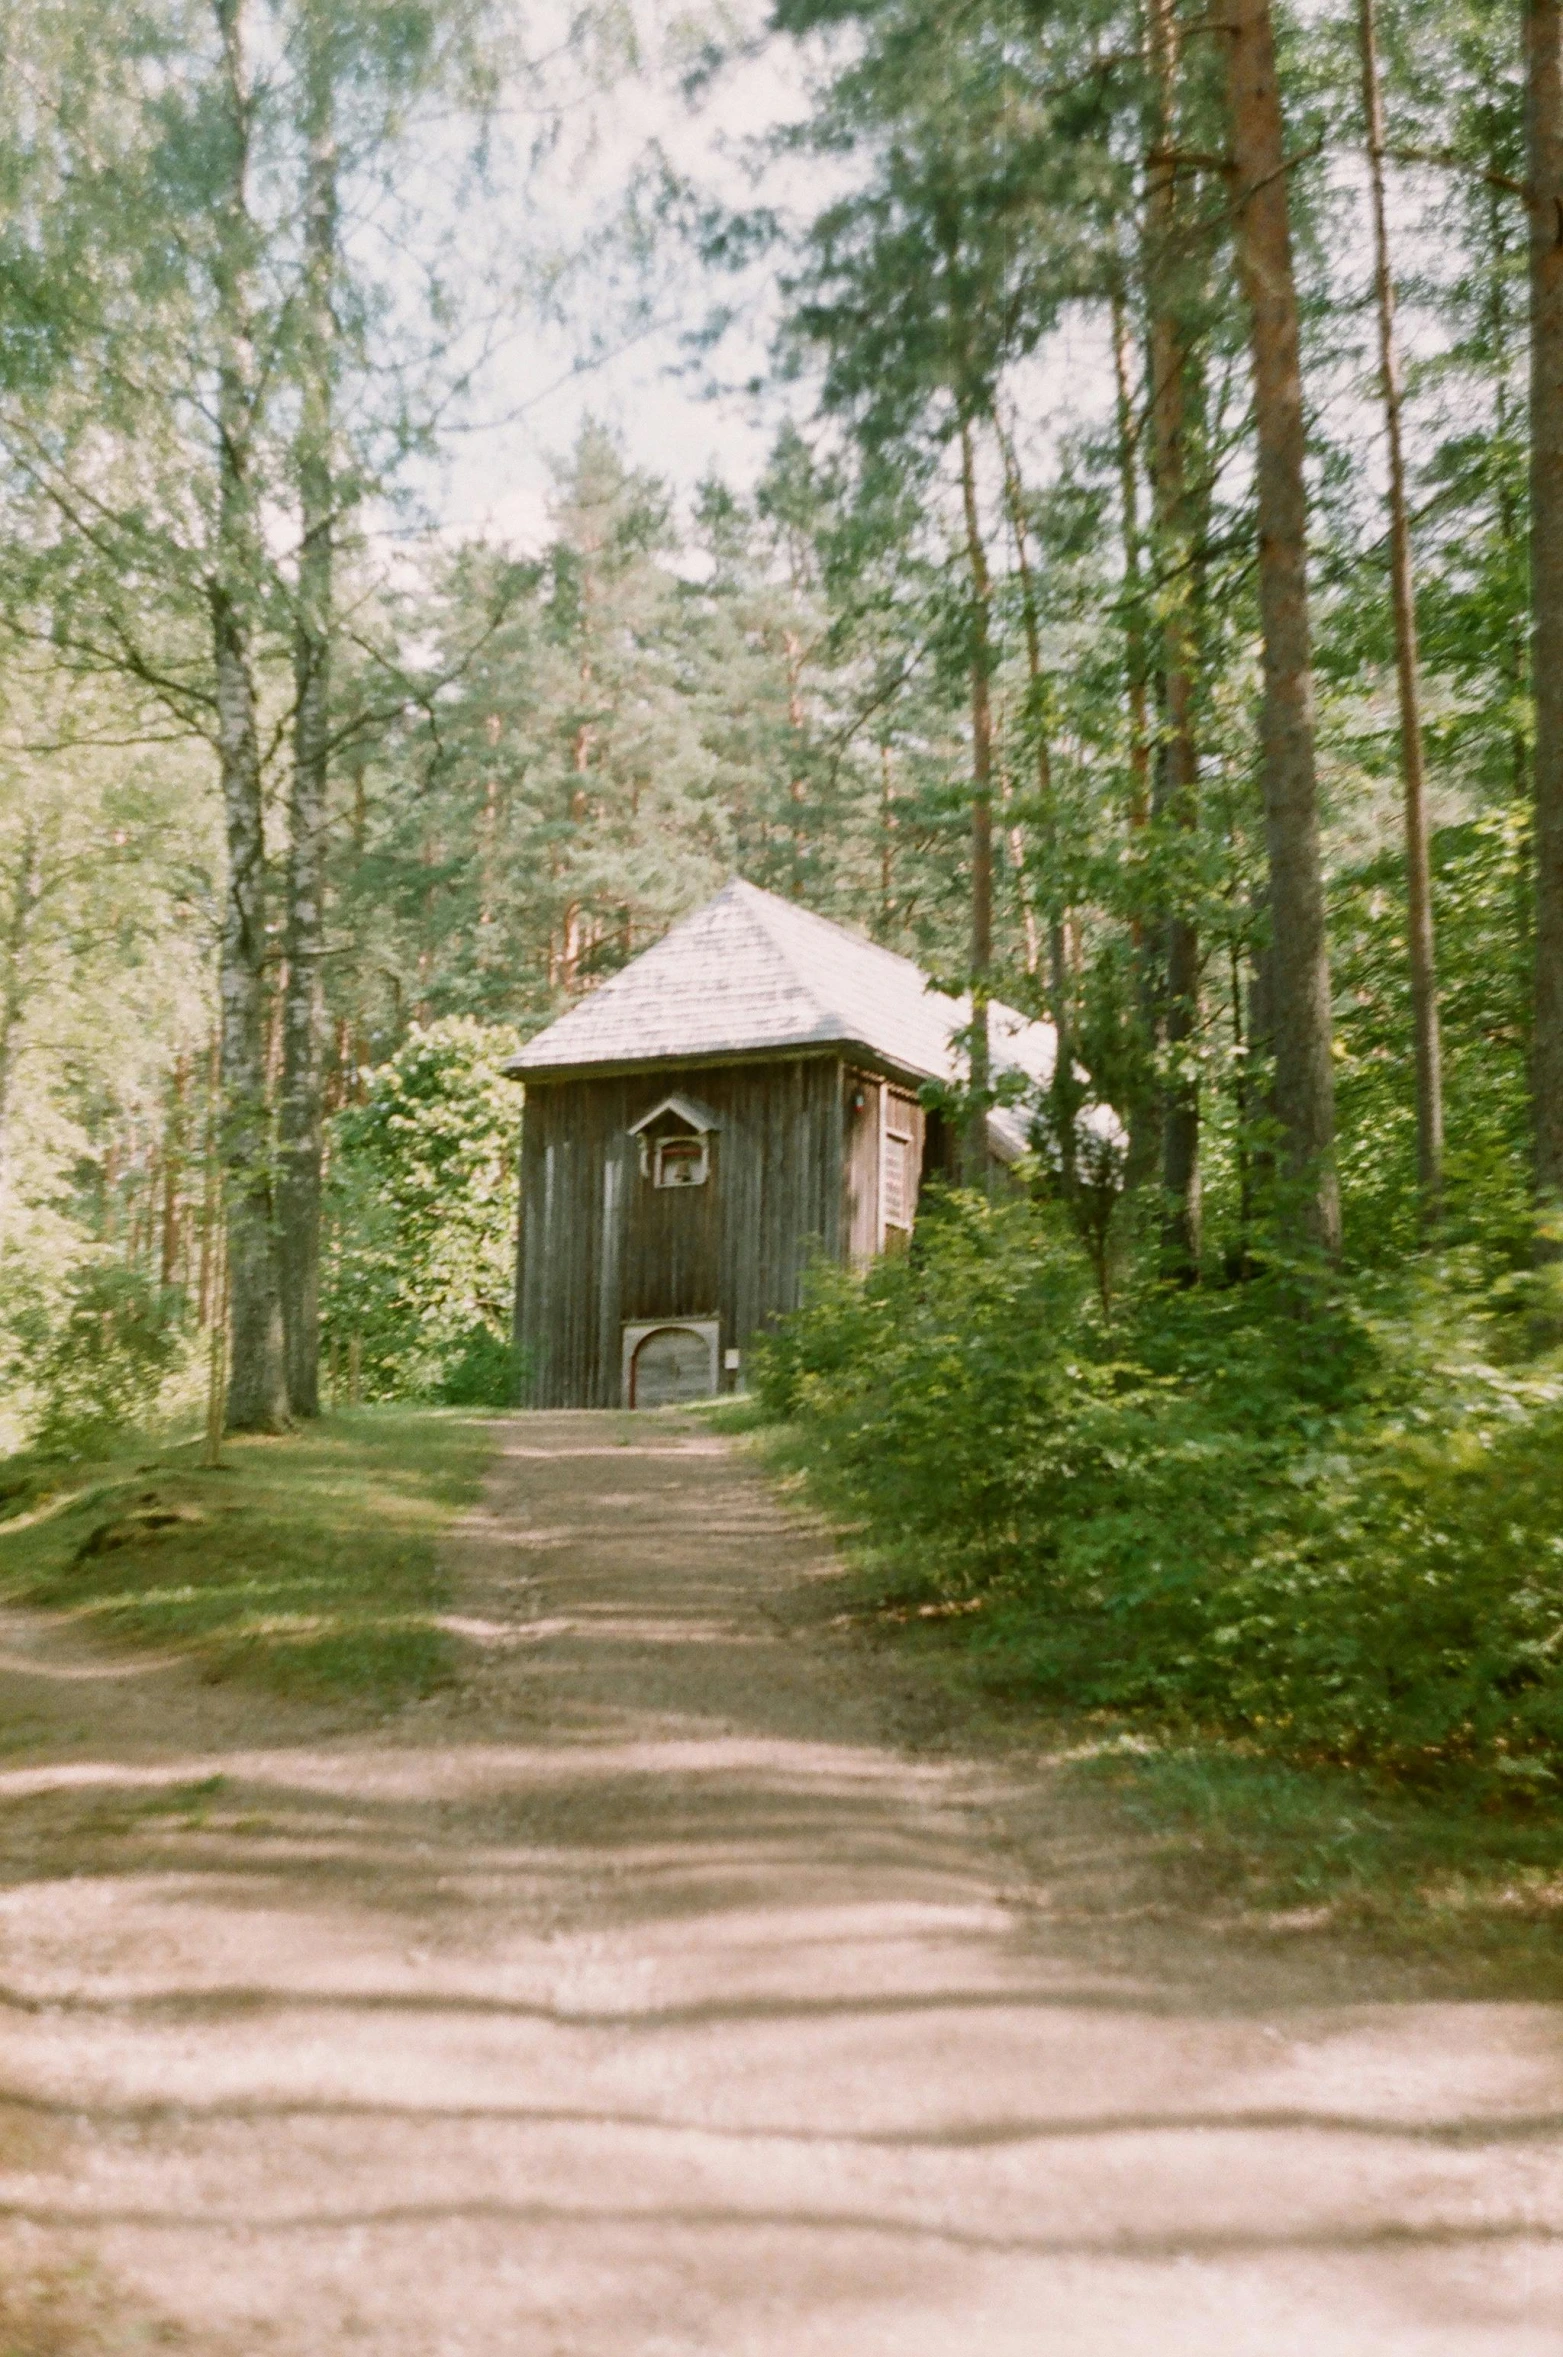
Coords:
643,1997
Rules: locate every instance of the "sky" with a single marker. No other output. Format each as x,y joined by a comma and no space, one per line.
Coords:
543,379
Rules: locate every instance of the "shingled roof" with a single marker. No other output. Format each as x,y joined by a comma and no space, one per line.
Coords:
749,974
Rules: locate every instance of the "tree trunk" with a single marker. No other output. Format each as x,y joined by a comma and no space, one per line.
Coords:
299,1186
1238,1260
1134,613
257,1399
1064,1106
975,1145
1419,887
1297,965
1141,1158
207,1299
1177,796
1500,337
1544,150
171,1233
26,894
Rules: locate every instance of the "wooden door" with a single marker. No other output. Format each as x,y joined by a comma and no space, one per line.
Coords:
671,1365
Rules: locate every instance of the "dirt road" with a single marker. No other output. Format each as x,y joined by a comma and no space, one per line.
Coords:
642,1998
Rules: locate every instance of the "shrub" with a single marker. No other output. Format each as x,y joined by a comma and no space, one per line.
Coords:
96,1361
484,1372
420,1258
1340,1533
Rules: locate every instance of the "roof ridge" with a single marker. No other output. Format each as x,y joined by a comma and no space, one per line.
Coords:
758,917
755,918
752,972
793,910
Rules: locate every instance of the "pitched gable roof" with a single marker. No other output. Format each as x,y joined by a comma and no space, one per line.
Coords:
751,974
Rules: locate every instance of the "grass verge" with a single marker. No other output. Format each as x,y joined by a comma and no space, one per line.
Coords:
1465,1868
307,1564
1453,1869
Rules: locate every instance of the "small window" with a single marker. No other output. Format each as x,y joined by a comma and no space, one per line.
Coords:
894,1180
680,1162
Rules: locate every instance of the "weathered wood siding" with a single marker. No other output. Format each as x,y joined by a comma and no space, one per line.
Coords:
860,1167
600,1245
903,1113
871,1106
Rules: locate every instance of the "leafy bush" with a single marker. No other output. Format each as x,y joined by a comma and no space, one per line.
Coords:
420,1260
1339,1533
1481,882
95,1360
485,1372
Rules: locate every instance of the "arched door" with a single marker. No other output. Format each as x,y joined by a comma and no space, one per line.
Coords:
671,1364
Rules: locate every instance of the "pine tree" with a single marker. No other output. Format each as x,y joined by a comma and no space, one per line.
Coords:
1297,992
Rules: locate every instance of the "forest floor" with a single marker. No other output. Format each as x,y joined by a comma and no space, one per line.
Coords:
674,1980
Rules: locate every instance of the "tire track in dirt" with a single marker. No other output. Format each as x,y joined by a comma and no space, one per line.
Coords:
642,1996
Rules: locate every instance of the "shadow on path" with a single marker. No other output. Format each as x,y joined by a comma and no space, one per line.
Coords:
642,1995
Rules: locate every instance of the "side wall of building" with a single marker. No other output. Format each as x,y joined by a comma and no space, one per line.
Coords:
601,1246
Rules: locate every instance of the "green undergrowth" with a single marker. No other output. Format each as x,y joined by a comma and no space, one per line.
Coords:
1291,1553
737,1415
1457,1867
306,1564
1453,1864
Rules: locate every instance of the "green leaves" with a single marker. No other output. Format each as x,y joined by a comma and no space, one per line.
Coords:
94,1364
420,1236
1338,1537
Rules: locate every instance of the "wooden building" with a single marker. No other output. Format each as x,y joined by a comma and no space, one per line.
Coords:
740,1097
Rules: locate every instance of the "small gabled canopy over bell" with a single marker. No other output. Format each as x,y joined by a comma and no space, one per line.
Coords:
688,1110
675,1142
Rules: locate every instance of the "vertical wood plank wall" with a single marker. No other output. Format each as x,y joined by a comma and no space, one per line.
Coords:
860,1167
868,1103
600,1244
902,1112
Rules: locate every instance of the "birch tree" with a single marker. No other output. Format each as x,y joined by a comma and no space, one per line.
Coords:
300,1111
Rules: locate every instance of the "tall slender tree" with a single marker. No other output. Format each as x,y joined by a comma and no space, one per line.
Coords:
1544,144
257,1392
1037,723
25,881
299,1178
1169,258
1297,994
1419,884
975,1153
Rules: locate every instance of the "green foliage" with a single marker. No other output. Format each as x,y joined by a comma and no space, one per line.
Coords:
1437,1868
1334,1532
421,1247
484,1372
94,1359
1481,886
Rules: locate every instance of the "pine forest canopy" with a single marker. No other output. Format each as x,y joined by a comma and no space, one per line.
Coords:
1147,613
